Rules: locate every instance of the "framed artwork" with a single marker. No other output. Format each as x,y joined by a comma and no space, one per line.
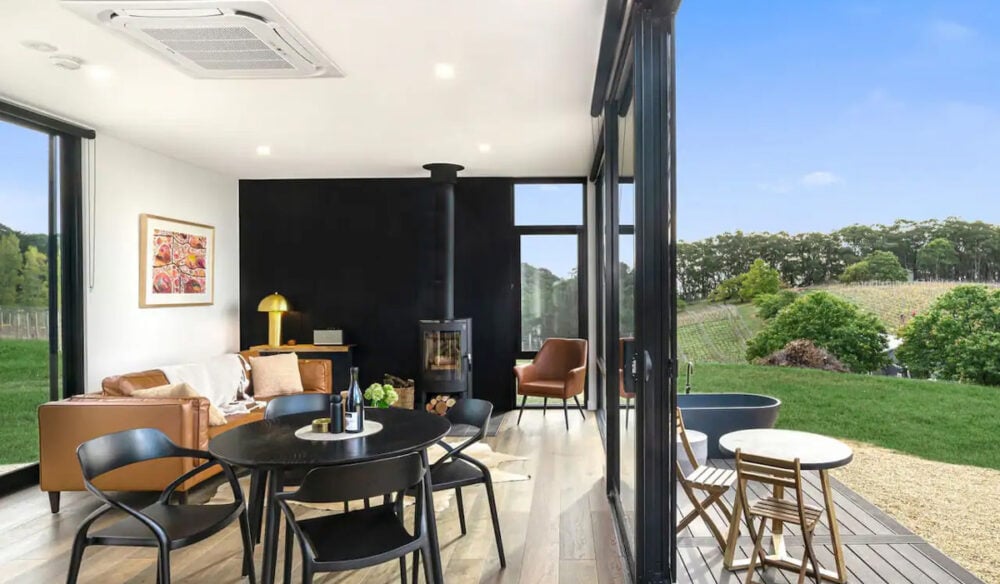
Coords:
176,262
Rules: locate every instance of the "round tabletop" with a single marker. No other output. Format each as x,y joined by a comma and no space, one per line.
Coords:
273,444
814,451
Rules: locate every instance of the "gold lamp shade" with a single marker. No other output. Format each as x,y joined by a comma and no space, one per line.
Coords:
273,305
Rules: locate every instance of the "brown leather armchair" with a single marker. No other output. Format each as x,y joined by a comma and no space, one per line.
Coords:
559,371
64,425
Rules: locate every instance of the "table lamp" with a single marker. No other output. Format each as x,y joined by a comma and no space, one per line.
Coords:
273,305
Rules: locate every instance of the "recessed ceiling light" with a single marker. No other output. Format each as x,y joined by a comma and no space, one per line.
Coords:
484,147
41,46
99,72
444,71
263,151
68,62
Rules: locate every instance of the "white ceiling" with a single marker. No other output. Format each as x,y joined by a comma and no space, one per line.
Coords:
524,74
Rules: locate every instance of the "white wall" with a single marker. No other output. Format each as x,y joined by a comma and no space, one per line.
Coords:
120,336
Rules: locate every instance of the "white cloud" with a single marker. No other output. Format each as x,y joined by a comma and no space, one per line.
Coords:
819,179
947,31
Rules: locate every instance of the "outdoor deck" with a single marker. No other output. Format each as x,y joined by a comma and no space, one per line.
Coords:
877,549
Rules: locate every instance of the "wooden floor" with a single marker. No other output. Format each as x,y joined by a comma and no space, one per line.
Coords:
557,527
877,548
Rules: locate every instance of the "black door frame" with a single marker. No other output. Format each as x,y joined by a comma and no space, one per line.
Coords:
66,275
643,64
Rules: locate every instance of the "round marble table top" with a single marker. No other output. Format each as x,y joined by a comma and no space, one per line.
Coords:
814,451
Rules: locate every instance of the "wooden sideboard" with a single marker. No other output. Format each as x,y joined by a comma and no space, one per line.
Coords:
341,356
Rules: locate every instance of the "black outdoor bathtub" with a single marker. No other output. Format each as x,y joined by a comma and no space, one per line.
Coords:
716,414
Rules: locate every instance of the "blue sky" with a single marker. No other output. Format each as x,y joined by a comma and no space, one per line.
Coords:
804,115
24,179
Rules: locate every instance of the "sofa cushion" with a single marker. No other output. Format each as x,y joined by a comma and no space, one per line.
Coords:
215,416
276,375
124,385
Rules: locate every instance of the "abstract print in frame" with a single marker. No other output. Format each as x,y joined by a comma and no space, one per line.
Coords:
176,262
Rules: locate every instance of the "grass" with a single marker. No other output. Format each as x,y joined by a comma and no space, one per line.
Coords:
947,422
24,384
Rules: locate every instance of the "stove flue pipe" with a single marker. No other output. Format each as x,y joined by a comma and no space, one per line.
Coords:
444,176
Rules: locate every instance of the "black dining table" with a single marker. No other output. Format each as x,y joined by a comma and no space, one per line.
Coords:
271,447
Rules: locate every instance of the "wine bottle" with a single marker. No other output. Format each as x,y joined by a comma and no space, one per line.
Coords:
354,416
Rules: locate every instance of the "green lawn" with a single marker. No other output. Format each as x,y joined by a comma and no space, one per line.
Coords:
949,422
24,384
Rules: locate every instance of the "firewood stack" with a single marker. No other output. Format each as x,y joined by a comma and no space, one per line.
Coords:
440,404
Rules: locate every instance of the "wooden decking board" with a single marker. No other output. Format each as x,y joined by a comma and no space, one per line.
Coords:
878,549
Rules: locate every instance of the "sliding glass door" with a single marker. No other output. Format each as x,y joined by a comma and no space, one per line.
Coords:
41,319
637,286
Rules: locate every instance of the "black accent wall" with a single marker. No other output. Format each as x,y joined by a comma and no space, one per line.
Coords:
358,254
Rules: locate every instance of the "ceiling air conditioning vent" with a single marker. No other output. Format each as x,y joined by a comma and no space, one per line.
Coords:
214,39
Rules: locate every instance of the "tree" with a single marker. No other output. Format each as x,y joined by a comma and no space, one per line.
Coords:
768,305
760,279
34,279
958,338
10,268
728,289
859,272
885,267
938,258
879,266
855,337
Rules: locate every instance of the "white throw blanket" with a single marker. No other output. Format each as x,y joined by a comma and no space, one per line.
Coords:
216,379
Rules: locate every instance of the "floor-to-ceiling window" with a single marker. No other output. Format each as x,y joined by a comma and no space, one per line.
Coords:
40,304
551,231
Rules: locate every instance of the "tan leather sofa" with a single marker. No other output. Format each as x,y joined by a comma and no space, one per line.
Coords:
64,425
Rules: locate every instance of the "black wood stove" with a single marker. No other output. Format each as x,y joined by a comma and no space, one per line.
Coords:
445,341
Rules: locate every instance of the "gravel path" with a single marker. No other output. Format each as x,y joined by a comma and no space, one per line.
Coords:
956,508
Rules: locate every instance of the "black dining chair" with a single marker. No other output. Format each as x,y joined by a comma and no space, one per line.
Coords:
362,538
456,469
162,525
288,405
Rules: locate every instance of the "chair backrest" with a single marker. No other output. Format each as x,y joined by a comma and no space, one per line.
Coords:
774,472
361,480
558,356
112,451
300,403
471,412
683,437
626,383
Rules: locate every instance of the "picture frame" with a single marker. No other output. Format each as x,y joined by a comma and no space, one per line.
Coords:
176,262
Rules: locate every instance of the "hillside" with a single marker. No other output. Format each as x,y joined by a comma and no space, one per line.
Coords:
894,304
717,333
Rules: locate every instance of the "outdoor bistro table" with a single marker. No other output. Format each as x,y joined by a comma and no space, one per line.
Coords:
815,452
271,446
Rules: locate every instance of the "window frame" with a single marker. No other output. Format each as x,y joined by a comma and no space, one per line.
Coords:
582,264
65,220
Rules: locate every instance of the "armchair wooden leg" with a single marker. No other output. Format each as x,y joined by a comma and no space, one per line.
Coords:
579,407
521,413
566,414
545,405
54,501
628,406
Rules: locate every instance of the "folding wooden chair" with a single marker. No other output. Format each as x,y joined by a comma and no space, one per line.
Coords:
712,481
780,475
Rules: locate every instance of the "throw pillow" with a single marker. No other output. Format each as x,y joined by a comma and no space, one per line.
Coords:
215,416
275,375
